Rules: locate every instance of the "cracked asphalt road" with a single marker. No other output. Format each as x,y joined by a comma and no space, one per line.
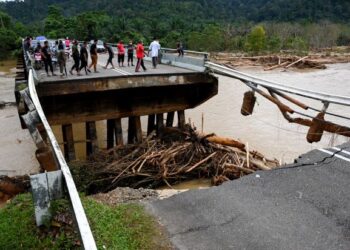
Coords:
301,206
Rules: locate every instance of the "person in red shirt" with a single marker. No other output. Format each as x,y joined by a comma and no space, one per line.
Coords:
140,53
121,53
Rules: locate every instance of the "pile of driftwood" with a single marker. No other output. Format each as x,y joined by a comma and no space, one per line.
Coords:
271,62
170,158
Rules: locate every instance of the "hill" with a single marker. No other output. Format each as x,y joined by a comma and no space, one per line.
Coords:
190,10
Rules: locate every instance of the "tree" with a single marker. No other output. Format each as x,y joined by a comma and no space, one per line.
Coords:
298,44
5,20
8,37
256,40
8,43
54,22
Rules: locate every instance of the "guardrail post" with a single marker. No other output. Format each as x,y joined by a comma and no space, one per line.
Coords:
46,187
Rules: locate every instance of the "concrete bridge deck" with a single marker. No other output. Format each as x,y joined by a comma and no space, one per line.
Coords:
122,92
118,71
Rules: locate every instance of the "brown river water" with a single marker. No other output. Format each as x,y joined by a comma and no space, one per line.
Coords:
266,130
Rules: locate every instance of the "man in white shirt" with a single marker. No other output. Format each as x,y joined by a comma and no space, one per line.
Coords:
154,48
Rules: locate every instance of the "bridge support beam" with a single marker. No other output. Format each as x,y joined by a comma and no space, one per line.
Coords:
118,131
134,130
114,133
151,124
91,138
68,140
110,133
160,122
181,118
170,119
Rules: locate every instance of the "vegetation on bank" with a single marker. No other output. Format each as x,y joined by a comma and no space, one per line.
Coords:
125,226
254,27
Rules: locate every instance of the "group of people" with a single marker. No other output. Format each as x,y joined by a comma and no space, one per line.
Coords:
130,48
80,55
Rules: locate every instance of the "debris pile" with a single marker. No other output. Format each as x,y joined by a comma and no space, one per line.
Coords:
271,62
175,155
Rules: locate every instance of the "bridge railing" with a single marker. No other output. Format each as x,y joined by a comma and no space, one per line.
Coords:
84,230
246,78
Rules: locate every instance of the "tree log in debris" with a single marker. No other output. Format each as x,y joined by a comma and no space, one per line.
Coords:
271,62
175,156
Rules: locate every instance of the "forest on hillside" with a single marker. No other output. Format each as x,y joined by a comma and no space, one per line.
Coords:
190,10
215,25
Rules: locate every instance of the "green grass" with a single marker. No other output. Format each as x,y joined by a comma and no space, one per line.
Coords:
18,230
123,227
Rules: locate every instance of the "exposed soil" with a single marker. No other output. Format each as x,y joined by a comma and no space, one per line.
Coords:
126,195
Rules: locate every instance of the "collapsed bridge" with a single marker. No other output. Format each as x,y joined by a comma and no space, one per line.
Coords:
178,84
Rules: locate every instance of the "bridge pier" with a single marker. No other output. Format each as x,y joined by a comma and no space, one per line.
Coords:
118,132
134,130
68,140
91,138
170,119
110,133
181,118
160,122
151,124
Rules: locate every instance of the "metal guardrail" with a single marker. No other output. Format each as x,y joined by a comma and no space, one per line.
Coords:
88,241
324,97
164,50
204,54
78,210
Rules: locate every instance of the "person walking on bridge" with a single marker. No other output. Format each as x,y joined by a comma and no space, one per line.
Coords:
61,58
121,53
76,58
131,48
154,50
67,42
180,49
84,58
94,57
46,55
140,54
110,55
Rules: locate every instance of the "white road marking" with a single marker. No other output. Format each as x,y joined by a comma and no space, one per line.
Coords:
342,150
117,70
334,154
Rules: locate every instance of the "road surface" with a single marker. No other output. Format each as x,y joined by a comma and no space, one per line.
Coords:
301,206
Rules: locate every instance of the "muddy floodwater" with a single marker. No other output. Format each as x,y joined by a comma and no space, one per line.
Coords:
266,130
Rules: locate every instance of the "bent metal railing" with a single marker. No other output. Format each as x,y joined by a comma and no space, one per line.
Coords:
84,230
246,78
276,92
